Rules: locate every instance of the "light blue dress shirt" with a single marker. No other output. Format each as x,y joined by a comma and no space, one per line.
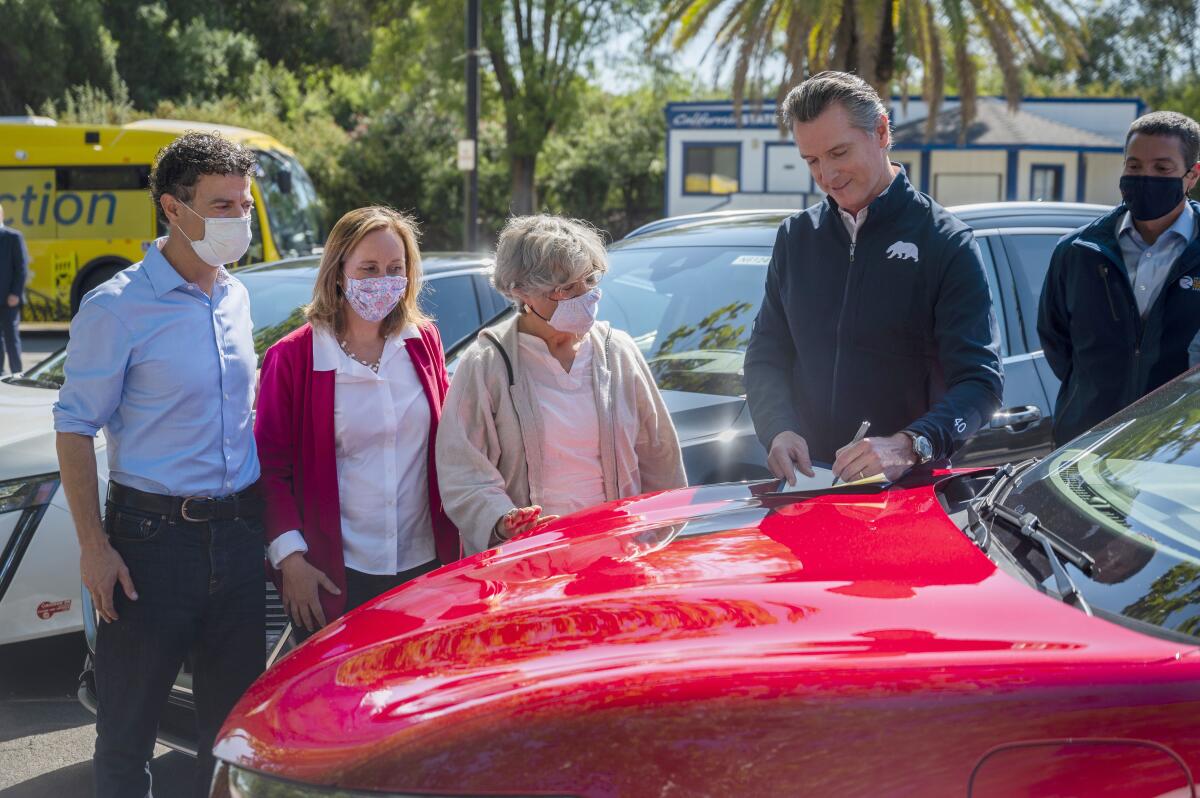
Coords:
1148,266
168,373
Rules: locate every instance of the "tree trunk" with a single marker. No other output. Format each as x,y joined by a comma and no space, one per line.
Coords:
524,192
845,40
885,57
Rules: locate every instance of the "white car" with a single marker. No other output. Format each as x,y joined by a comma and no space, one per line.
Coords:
40,591
39,561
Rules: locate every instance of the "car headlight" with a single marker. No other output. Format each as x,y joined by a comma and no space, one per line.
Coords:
27,492
30,497
231,781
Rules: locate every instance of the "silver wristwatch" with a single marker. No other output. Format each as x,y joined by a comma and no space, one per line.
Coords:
921,447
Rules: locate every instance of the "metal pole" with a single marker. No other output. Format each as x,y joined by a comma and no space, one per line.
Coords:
471,178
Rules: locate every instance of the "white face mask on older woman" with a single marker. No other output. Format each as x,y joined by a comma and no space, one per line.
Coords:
576,315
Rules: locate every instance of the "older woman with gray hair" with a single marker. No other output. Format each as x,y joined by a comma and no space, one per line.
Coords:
549,411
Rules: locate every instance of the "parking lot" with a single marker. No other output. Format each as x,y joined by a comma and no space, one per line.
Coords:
46,737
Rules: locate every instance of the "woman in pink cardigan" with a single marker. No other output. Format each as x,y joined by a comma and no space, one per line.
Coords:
348,411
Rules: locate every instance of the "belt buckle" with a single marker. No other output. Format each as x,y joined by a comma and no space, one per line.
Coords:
183,509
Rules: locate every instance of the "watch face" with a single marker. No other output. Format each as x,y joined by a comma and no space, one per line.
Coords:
924,448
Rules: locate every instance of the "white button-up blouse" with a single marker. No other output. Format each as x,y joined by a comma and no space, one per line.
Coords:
381,430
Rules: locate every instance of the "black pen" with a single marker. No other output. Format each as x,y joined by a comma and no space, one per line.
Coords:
858,436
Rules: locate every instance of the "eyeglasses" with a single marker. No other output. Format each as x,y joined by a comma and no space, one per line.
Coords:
576,288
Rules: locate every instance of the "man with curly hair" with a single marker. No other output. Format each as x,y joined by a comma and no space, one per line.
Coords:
162,359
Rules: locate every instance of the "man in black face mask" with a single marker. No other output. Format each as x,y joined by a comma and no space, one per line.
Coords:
1121,302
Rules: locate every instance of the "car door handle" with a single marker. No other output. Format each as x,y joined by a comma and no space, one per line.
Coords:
1011,417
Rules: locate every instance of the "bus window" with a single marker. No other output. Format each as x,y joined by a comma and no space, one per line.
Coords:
104,178
102,202
292,210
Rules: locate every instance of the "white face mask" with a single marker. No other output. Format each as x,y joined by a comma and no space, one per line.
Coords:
225,240
576,315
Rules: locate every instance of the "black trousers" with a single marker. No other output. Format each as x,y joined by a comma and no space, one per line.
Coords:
201,591
10,335
361,588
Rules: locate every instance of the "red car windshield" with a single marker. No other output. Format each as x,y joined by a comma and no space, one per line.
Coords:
1128,493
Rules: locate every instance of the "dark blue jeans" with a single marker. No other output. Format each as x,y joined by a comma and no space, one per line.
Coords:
10,335
201,591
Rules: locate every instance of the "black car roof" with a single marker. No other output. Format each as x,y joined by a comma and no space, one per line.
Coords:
431,263
757,227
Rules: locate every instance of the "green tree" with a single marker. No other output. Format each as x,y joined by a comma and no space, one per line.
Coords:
608,165
162,57
52,46
884,42
1144,47
539,50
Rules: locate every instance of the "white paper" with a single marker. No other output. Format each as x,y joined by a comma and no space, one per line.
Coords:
821,479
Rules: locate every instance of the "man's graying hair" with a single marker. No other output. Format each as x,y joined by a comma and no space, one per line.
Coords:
811,98
1170,123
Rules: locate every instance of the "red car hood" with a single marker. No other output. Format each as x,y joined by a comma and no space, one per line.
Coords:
706,585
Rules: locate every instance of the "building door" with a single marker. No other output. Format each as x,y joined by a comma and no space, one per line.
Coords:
787,173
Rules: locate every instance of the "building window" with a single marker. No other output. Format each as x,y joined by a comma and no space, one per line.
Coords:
711,168
1046,183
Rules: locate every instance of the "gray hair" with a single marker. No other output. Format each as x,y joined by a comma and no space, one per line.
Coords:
1170,123
810,99
541,253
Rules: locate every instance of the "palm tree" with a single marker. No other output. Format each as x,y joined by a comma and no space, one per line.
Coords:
883,41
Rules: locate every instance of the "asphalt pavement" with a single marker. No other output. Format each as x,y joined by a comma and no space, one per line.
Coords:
47,737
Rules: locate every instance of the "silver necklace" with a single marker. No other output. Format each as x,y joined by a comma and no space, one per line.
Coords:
372,366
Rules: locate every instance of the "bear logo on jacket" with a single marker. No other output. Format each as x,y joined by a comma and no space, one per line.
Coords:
902,250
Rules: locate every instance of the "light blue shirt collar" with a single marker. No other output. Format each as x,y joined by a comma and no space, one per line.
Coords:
1184,226
162,274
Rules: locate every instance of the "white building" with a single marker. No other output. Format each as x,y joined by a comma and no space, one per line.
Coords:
1050,148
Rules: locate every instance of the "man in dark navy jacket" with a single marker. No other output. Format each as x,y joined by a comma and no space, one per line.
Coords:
876,308
14,267
1121,303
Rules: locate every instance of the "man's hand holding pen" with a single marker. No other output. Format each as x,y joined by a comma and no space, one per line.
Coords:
891,456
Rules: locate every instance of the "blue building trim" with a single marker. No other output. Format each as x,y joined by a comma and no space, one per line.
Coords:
688,145
667,174
717,115
1080,177
1010,191
998,147
918,98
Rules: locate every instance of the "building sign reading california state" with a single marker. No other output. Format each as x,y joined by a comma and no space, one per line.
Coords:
719,118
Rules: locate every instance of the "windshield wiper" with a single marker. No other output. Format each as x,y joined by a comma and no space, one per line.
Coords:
1056,549
31,383
987,508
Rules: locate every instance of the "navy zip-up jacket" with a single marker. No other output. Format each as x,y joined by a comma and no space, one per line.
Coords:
1095,339
896,329
14,264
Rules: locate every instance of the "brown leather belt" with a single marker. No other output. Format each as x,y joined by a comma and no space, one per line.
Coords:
196,509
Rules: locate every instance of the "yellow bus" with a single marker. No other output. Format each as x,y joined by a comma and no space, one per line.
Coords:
80,194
